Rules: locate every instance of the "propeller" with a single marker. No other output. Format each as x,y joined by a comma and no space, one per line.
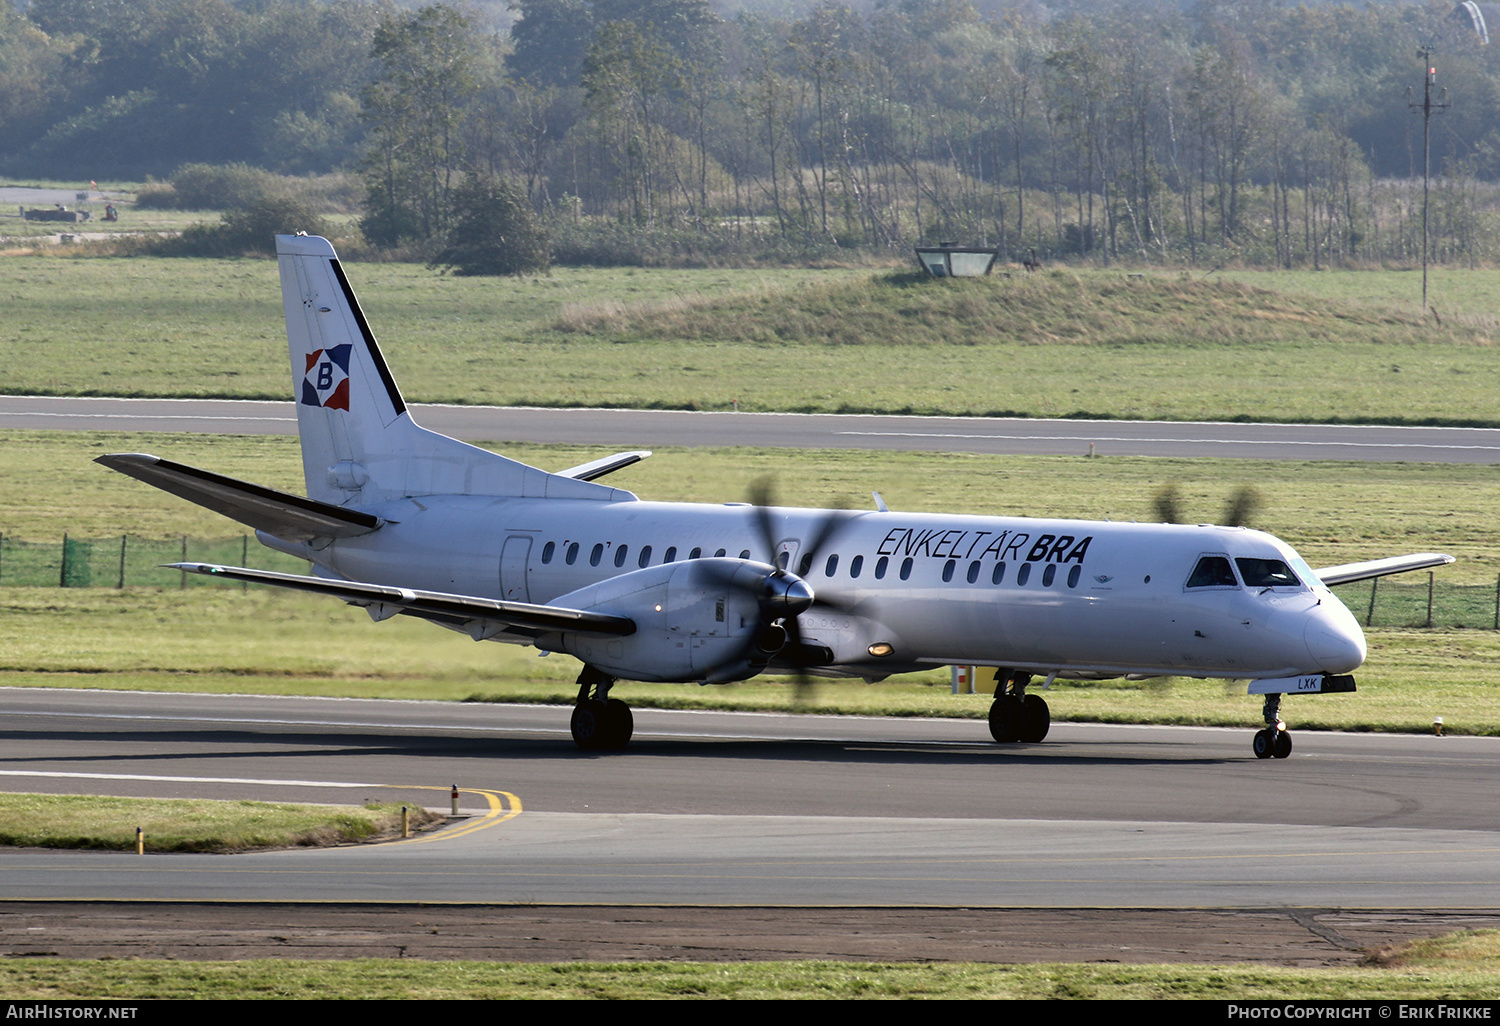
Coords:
790,595
1243,504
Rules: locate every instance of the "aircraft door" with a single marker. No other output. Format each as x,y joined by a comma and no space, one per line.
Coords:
513,557
786,553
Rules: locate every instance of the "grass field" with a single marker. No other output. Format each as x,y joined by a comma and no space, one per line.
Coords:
1331,512
216,638
192,825
1092,343
1460,969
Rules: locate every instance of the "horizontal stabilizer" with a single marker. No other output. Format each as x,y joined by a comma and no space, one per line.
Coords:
1348,573
596,469
279,513
521,617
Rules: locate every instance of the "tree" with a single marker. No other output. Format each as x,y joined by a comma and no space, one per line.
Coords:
494,231
415,108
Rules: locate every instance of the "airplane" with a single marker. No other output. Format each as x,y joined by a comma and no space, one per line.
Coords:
402,520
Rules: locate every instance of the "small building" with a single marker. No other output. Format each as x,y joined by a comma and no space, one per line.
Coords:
945,260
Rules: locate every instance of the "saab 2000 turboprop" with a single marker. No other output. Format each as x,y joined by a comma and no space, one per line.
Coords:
404,520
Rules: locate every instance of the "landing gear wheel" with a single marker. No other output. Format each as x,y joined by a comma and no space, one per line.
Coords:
602,726
1037,719
1264,744
1281,747
620,724
589,725
1007,717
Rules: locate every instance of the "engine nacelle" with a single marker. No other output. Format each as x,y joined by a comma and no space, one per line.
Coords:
697,620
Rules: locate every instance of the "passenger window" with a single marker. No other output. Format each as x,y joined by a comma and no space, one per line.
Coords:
1023,575
856,565
1266,573
547,551
719,554
804,564
948,571
830,566
744,553
671,556
906,568
974,571
620,555
998,574
1073,576
880,565
697,552
645,559
1049,574
597,554
1213,572
572,553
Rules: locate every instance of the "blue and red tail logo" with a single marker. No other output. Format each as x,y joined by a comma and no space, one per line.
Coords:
326,382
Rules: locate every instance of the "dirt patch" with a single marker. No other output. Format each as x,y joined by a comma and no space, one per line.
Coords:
218,931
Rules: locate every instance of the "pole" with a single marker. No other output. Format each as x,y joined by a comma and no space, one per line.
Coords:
1429,79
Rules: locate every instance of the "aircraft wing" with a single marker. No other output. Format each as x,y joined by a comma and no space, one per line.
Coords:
454,610
280,513
1347,573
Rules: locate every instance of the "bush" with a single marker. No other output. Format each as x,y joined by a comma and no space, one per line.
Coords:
249,230
494,232
239,186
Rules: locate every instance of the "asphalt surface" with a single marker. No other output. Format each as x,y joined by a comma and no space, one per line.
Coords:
637,428
756,836
911,828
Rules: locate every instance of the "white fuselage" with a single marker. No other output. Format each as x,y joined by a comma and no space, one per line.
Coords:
1079,598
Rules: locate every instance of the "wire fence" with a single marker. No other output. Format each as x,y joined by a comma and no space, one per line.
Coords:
129,560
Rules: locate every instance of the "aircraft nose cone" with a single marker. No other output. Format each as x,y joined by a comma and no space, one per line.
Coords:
1336,644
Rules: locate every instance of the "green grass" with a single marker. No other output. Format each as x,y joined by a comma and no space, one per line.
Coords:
1092,343
217,638
192,825
1331,512
372,979
225,641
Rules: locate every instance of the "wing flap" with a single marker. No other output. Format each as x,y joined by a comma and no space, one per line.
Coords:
266,509
1348,573
437,605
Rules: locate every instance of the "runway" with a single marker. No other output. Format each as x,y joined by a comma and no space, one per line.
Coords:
643,428
733,810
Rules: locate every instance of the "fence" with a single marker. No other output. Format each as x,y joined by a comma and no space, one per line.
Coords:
129,560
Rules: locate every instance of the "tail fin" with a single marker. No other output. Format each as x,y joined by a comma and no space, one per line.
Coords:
359,443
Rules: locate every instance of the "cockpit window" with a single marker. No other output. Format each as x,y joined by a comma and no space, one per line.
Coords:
1213,572
1266,573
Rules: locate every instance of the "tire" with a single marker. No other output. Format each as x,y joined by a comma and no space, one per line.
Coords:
619,724
589,725
1263,744
1036,721
1281,747
1006,718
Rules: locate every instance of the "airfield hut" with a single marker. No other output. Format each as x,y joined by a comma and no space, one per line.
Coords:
946,260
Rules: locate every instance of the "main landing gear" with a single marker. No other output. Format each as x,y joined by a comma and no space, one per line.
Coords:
600,723
1015,715
1273,742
